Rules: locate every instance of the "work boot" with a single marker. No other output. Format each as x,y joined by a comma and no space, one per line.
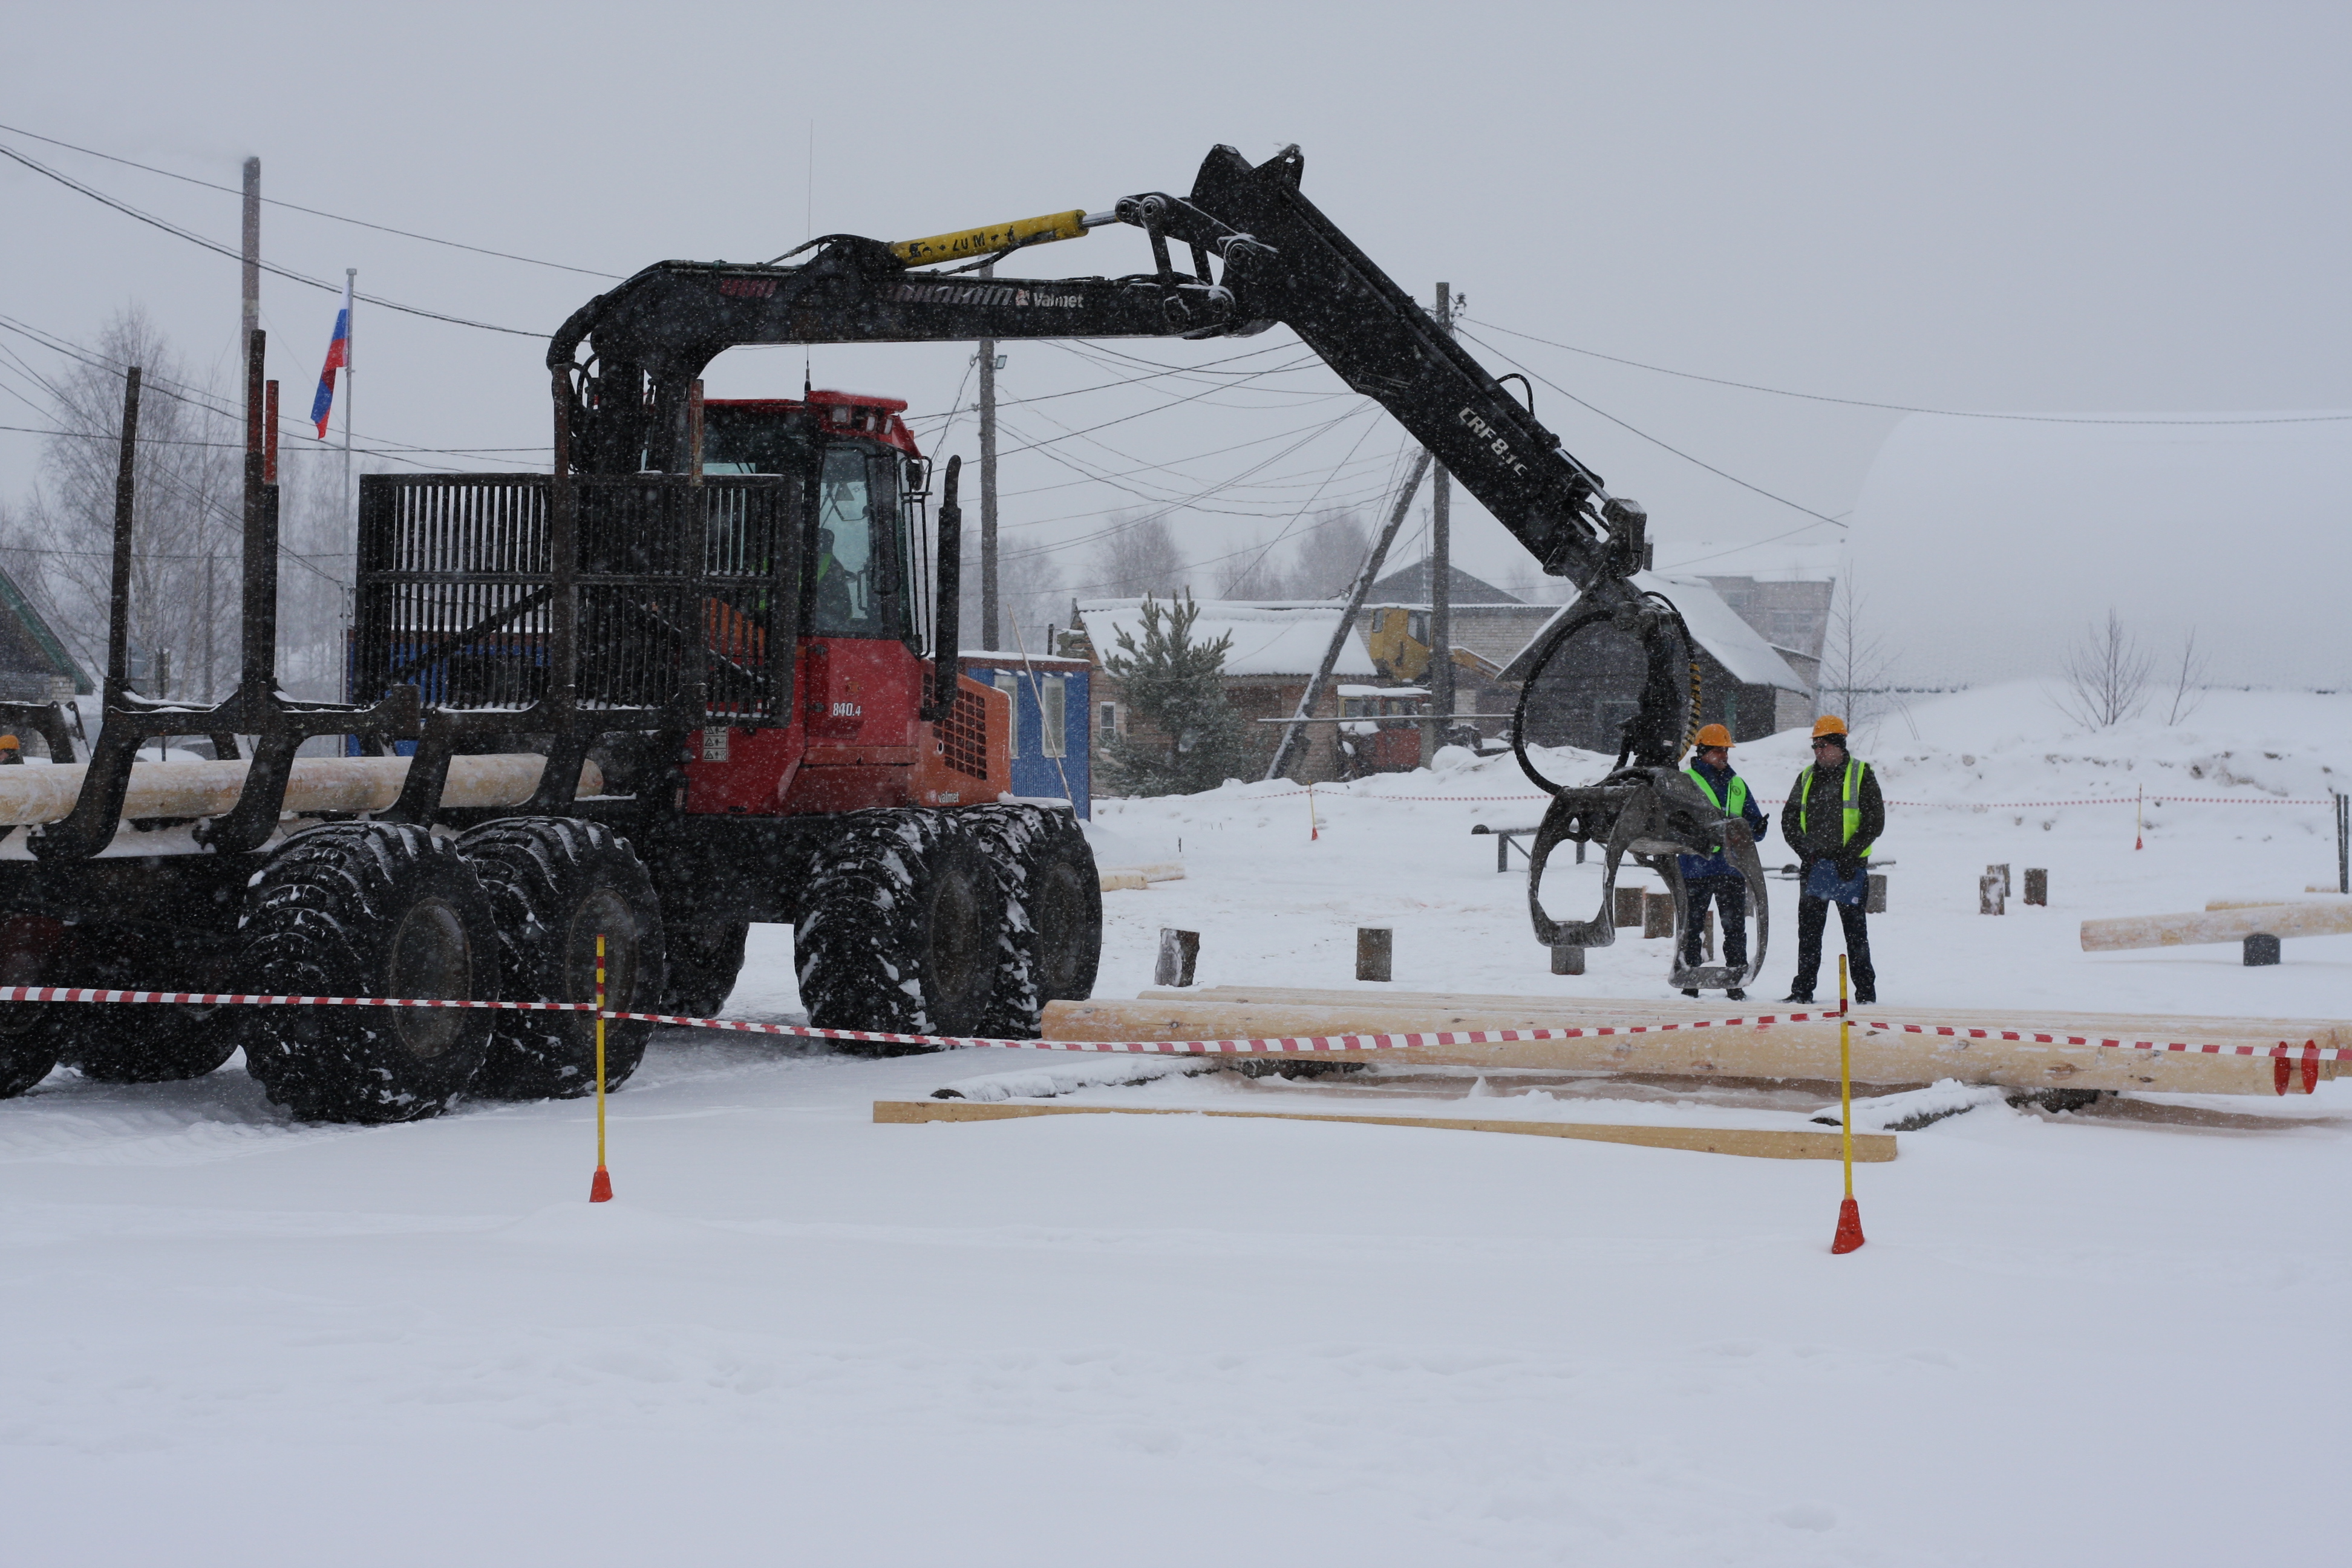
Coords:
1735,995
1866,998
1804,996
1691,991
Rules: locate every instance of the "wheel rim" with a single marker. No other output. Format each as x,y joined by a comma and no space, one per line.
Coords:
961,967
1053,911
430,957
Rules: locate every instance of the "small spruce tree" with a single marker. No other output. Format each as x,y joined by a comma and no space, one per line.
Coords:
1174,688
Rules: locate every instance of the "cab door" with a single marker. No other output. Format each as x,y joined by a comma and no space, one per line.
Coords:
861,679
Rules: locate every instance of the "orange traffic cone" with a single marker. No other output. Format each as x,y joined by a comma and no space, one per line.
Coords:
1849,1230
600,1191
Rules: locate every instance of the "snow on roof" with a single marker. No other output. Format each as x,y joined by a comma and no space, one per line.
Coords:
1266,642
1733,642
1780,561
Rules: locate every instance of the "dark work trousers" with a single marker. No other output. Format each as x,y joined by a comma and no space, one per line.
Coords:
1730,895
1812,918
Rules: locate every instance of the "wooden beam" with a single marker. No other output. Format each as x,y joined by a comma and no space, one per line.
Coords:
1803,1052
2215,926
1757,1143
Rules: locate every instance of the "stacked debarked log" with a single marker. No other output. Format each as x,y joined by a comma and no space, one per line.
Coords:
1750,1051
33,794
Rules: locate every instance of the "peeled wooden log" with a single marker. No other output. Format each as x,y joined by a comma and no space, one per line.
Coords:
2331,901
1806,1052
31,795
2225,925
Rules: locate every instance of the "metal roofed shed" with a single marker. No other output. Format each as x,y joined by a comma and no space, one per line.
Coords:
1275,653
1265,641
1053,724
1744,684
34,664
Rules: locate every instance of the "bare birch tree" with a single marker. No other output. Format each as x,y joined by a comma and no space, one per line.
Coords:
1252,575
185,488
1136,556
187,507
2189,680
2107,676
1329,555
1029,595
1857,667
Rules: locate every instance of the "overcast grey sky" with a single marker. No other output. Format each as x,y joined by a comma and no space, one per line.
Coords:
2050,207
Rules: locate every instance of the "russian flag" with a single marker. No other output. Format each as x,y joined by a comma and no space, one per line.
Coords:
339,354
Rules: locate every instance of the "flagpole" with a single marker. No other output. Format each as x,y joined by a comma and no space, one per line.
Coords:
351,292
350,310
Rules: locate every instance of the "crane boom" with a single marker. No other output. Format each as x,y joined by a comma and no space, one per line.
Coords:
1254,252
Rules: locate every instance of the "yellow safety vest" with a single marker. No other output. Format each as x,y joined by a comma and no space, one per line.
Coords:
1738,796
1854,768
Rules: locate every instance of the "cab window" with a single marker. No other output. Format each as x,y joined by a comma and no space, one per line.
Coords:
854,589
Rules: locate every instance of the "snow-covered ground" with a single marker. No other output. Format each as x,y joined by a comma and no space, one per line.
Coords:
801,1337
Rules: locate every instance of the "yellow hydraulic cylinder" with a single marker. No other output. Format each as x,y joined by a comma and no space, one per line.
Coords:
969,243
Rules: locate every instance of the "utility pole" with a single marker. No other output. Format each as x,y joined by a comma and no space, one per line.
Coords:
252,256
988,484
252,392
1441,580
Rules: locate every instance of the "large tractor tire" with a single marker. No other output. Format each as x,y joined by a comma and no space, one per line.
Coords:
704,960
902,927
361,908
144,1042
31,1033
555,884
1053,897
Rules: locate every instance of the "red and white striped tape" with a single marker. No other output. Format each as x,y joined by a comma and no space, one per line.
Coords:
1341,792
1285,1045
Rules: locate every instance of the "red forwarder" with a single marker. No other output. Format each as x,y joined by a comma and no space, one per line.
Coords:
726,608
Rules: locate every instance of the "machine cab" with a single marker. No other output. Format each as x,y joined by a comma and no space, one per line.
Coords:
854,735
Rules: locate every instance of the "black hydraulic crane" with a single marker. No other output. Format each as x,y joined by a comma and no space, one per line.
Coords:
1255,252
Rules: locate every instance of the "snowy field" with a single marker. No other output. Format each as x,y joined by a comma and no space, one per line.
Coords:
800,1336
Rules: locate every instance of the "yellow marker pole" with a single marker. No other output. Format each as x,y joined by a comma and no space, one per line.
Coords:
600,1188
1849,1226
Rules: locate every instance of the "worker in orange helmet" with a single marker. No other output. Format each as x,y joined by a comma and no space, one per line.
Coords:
1710,876
1833,815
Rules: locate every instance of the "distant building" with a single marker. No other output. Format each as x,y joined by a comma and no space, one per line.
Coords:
1488,627
34,664
1276,651
1381,677
1584,697
1784,591
1052,742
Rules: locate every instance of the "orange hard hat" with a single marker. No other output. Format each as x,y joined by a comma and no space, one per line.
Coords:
1713,735
9,744
1829,724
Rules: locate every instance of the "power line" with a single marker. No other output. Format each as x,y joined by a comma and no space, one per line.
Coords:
314,212
239,446
1149,517
201,398
1909,408
235,255
1685,457
1113,478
